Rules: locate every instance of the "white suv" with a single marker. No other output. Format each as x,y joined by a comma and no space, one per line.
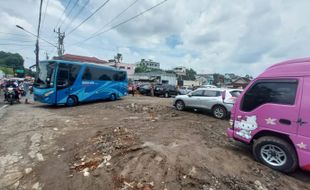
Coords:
218,100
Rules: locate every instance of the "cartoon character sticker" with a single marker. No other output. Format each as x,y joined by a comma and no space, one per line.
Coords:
246,127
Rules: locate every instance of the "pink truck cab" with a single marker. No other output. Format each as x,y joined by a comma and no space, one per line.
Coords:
273,115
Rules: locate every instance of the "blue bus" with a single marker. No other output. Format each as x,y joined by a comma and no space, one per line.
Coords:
68,83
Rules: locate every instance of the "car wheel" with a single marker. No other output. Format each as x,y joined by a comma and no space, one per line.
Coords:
112,97
180,105
166,94
72,101
275,153
219,112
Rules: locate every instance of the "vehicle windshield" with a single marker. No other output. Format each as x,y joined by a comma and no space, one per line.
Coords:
46,75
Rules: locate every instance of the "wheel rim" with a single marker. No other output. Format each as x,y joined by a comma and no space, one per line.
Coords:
166,95
180,105
218,112
71,101
112,97
273,155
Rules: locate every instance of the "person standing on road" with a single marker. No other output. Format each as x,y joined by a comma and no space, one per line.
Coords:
133,90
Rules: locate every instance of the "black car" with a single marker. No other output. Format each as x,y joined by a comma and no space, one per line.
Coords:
145,89
165,90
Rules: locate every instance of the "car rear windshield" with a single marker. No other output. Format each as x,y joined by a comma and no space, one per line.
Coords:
235,93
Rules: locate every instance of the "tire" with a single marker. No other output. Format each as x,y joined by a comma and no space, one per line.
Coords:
219,112
72,101
179,105
112,97
166,95
282,154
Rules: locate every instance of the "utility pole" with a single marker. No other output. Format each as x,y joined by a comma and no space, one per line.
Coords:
60,45
38,36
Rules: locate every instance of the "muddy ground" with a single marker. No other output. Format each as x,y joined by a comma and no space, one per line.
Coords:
134,143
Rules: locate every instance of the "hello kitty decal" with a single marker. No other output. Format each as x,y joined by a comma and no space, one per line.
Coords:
246,126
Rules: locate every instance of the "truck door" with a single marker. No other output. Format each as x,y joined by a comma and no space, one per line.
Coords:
303,141
269,104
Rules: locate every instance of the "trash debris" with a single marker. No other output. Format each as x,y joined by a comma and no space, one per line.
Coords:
55,129
40,157
28,170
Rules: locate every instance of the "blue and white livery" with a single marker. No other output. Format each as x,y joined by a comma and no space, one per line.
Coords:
66,82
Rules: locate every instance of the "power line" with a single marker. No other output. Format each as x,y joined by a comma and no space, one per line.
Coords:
60,18
78,13
124,22
35,35
44,13
100,7
76,2
116,17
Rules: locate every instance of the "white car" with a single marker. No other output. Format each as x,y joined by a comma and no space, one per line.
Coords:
217,100
207,86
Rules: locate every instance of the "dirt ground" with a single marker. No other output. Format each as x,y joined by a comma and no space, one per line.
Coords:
139,143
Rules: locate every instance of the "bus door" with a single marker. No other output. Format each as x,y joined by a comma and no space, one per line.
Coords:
63,84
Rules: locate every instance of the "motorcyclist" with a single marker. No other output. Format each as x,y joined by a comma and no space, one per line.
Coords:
13,85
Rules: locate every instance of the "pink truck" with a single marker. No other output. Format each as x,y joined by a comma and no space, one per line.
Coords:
273,115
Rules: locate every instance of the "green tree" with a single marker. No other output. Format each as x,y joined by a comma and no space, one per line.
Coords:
145,69
190,74
11,60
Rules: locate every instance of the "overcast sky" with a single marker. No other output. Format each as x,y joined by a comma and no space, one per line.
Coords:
209,36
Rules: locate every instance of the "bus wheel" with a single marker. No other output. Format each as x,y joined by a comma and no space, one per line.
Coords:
276,153
72,101
113,97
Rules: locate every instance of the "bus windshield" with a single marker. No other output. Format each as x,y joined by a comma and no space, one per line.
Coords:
46,75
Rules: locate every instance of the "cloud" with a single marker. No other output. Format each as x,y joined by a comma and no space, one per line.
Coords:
238,36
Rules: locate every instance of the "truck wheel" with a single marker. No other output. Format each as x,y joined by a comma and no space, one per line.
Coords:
166,94
275,153
72,101
180,105
219,112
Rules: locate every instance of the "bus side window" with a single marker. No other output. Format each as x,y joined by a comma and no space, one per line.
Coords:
87,74
62,76
119,76
73,73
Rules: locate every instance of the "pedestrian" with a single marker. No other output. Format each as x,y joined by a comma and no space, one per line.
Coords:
133,90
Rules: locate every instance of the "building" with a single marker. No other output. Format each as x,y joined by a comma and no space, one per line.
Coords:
180,71
240,82
159,77
205,79
129,68
71,57
149,63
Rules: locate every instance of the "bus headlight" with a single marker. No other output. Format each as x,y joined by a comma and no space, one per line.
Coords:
48,93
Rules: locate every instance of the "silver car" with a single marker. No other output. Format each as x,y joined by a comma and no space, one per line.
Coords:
218,100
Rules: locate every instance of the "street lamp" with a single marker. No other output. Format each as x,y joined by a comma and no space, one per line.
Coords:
37,45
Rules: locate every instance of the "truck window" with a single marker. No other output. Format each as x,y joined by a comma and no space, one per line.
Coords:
270,91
